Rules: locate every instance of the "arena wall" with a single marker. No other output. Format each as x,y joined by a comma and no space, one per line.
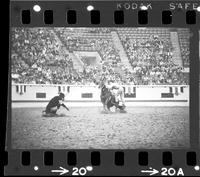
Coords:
31,95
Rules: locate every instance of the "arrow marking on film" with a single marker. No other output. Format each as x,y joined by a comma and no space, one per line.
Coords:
151,172
61,171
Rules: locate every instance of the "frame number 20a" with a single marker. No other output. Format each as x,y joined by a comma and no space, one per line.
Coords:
172,172
164,171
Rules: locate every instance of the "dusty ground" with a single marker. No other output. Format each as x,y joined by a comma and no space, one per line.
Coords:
83,128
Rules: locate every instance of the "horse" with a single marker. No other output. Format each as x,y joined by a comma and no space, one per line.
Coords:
108,99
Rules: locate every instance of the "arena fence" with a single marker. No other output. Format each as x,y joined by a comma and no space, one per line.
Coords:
159,95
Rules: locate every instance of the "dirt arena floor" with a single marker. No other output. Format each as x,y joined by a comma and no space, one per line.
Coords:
90,128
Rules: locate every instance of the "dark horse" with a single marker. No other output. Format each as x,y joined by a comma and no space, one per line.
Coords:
108,99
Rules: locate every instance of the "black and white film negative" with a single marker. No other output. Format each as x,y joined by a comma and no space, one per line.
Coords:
103,88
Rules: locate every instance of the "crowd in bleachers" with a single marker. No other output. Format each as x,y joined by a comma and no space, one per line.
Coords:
184,41
185,52
36,56
41,56
74,41
152,61
100,30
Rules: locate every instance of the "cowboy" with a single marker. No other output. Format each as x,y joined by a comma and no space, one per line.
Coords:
54,104
118,92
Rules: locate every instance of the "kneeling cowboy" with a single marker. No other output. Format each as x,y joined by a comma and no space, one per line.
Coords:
55,103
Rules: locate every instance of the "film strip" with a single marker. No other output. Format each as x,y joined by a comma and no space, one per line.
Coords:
103,88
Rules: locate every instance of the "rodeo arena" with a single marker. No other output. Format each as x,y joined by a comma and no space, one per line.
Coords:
100,88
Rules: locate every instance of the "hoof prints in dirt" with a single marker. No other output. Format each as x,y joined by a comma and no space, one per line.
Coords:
113,112
83,128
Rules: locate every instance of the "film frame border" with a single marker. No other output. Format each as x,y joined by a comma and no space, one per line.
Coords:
107,166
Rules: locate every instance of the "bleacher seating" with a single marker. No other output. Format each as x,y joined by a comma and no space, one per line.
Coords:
184,40
35,54
41,55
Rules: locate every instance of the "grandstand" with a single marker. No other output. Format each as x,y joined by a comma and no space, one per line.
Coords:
139,56
184,46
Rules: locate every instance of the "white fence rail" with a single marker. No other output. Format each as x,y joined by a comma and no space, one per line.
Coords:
158,95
